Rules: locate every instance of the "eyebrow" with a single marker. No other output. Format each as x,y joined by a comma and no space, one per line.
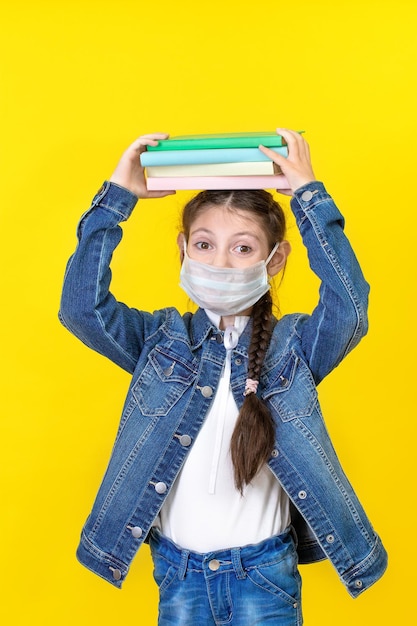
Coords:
243,233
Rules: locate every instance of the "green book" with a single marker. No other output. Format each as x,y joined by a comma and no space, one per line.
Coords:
223,140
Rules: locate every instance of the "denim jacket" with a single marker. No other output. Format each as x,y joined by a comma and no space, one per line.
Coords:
176,361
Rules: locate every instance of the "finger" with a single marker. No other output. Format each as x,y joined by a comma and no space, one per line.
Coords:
291,135
147,140
279,159
293,140
160,194
298,147
156,136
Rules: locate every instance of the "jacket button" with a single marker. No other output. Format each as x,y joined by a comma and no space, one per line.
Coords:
160,488
185,440
117,574
214,565
358,584
137,532
306,196
274,453
207,391
168,370
330,539
302,495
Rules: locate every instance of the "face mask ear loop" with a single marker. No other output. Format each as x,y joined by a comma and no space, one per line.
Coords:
184,249
274,249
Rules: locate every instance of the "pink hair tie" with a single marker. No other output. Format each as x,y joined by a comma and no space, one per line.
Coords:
251,386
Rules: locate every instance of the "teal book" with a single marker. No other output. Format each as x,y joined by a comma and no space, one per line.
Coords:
187,157
223,140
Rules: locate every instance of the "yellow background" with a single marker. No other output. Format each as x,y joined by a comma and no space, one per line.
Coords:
79,81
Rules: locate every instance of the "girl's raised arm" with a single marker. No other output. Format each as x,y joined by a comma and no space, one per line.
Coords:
88,308
339,319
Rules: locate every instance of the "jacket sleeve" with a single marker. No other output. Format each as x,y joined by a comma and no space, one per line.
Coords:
339,320
88,309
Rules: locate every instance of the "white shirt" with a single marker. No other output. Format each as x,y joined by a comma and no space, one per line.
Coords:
204,511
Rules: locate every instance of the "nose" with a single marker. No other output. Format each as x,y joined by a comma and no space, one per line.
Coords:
221,259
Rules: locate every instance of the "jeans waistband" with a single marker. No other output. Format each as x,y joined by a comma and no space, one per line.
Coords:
239,559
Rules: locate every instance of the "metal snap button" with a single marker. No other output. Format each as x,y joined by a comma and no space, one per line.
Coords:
137,532
358,584
302,495
206,391
214,565
185,440
274,453
160,488
330,539
168,370
117,574
306,196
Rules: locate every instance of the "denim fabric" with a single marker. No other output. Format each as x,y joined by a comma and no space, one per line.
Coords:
176,362
257,584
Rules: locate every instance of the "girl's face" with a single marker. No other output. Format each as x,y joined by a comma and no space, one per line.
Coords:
226,237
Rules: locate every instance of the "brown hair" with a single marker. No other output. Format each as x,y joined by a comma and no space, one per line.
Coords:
254,434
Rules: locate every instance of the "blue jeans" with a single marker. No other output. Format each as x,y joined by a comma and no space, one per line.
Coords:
257,584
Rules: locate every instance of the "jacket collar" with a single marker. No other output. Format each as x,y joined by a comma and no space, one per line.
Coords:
201,328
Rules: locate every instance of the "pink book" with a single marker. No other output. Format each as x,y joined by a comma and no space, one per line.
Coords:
217,182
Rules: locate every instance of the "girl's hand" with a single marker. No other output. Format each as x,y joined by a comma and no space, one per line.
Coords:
296,167
130,174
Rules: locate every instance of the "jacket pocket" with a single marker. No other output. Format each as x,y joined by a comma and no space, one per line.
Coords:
291,392
162,382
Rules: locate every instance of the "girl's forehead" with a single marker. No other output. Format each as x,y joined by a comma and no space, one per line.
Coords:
222,216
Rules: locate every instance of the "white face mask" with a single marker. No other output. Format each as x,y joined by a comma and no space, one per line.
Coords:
224,290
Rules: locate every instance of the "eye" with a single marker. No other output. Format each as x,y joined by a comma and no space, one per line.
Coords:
243,249
202,245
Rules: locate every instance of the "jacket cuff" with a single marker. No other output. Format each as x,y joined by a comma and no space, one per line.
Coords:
115,198
307,197
307,192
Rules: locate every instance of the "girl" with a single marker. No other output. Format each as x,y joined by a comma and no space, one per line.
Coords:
222,461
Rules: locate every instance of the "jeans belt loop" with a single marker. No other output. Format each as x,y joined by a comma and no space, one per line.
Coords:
183,564
237,564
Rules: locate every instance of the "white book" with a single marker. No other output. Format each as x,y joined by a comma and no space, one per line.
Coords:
258,168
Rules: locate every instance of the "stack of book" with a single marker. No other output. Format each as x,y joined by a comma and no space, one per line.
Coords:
225,161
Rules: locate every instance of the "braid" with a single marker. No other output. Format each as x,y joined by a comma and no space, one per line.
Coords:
261,334
254,434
